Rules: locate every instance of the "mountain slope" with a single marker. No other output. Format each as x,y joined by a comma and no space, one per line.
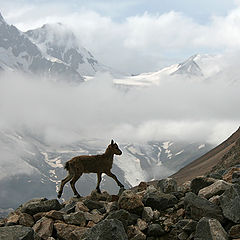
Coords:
220,157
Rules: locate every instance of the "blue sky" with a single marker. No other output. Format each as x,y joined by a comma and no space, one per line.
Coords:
137,35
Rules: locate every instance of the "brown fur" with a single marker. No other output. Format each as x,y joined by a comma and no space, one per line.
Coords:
99,164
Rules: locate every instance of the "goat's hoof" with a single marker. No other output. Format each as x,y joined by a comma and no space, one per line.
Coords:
98,191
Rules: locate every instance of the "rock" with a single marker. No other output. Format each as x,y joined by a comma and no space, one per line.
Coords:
134,233
68,232
234,231
90,204
215,200
76,218
200,182
112,206
236,177
56,215
147,214
156,215
180,212
16,232
210,229
93,217
26,220
167,185
104,196
142,186
155,230
185,187
217,188
230,203
159,201
183,236
81,207
41,206
107,229
44,227
227,176
187,225
38,216
13,219
142,225
121,215
131,202
69,207
197,207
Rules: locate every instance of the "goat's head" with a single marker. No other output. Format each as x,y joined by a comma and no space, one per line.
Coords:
114,148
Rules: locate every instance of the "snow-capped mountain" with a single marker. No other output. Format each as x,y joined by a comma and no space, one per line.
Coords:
35,168
59,44
197,67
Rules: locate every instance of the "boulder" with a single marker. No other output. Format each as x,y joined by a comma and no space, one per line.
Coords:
210,229
56,215
95,217
167,185
41,206
26,220
81,207
69,207
92,204
217,188
159,201
76,218
155,230
230,203
236,177
121,215
104,196
200,182
141,224
131,202
68,232
227,176
107,229
234,231
134,233
16,232
187,225
44,227
13,219
197,207
147,214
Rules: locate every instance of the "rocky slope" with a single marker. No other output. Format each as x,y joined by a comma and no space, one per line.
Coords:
225,155
203,209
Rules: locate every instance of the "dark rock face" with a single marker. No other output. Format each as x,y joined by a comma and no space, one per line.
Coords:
234,232
91,204
155,230
121,215
41,206
210,229
108,229
230,203
197,207
16,232
167,185
199,183
159,201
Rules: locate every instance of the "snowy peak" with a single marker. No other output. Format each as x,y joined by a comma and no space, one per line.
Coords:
1,18
189,68
59,44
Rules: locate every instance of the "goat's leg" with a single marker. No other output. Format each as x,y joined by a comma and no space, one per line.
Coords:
63,182
99,176
110,174
72,183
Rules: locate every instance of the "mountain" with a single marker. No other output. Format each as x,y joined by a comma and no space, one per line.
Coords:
225,155
197,67
35,167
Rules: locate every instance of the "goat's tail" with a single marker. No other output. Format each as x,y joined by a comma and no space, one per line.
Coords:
66,166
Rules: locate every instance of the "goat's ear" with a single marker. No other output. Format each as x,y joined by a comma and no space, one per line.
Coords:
112,142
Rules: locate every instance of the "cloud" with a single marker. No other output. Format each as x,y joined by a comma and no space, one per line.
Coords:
178,109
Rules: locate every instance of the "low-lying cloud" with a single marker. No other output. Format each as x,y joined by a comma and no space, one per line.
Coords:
177,109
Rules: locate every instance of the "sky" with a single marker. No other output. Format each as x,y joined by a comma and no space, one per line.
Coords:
135,36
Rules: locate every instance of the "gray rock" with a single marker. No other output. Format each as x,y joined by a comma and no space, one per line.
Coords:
210,229
92,204
217,188
16,232
197,207
158,200
236,177
44,227
76,218
41,206
234,231
200,182
69,208
155,230
187,225
121,215
230,203
147,214
167,185
108,229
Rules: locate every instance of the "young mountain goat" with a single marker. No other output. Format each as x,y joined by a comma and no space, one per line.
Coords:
91,164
